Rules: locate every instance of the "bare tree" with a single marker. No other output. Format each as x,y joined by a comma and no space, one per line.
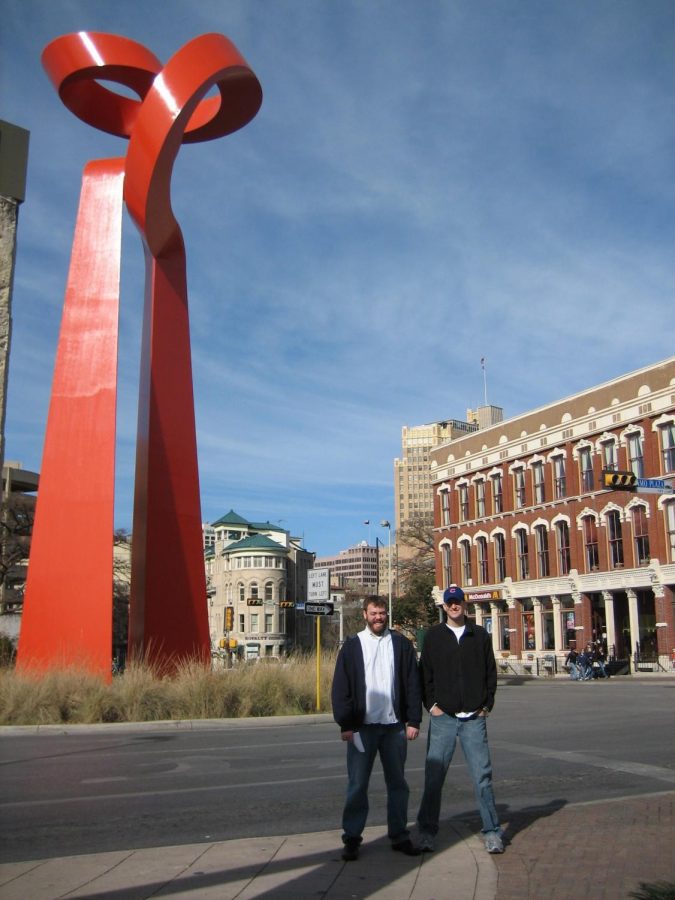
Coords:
121,593
414,608
16,527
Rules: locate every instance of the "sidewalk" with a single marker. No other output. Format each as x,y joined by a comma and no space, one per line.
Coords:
599,850
302,865
589,851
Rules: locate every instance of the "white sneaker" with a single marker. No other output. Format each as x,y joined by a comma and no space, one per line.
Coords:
426,842
493,842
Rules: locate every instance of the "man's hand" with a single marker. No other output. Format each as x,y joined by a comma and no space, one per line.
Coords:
347,735
411,732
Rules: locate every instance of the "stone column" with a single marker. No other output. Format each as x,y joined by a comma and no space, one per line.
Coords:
557,624
538,633
634,621
610,623
494,612
515,629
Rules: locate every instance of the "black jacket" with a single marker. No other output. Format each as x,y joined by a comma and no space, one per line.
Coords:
349,684
459,677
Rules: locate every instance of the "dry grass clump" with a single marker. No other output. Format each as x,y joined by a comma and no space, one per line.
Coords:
141,694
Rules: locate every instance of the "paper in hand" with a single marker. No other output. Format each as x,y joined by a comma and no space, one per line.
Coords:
358,743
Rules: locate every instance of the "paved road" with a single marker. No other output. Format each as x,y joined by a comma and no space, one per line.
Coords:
554,744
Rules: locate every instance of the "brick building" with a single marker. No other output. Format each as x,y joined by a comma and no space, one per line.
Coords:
549,558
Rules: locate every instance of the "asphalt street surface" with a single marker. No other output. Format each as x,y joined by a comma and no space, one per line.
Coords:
553,744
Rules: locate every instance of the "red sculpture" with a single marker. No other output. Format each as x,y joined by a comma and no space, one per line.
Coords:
67,615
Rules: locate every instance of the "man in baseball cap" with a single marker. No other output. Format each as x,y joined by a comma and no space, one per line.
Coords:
459,680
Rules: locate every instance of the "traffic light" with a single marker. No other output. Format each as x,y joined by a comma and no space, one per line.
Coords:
229,618
254,601
619,481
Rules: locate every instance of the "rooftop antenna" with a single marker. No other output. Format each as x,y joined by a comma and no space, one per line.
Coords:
482,365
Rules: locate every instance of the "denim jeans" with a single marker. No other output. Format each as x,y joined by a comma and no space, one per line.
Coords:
444,731
391,743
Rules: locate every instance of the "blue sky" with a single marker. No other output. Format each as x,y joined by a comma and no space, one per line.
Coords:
427,183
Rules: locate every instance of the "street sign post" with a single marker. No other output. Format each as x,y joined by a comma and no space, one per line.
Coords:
318,604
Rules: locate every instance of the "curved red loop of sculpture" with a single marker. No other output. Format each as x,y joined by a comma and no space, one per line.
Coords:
174,112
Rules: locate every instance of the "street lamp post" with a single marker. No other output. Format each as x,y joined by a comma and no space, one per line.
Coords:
385,523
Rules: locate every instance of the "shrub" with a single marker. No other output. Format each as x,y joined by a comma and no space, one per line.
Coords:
142,694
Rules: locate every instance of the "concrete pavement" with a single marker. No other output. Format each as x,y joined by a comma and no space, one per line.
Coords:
289,867
589,851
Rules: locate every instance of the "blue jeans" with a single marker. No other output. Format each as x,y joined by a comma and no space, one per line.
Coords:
443,733
575,672
391,743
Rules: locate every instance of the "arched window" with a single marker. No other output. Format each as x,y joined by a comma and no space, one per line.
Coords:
541,539
562,533
667,440
615,539
481,549
519,487
463,502
269,590
497,495
480,498
669,515
241,590
610,458
559,477
641,535
446,563
445,506
465,552
253,590
522,554
586,468
591,551
538,482
500,556
636,453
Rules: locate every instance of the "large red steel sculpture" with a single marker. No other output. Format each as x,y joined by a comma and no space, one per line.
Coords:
67,615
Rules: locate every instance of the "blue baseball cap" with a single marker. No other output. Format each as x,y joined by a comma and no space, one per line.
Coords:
453,594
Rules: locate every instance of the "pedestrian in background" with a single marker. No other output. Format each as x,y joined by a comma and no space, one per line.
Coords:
459,681
377,703
572,663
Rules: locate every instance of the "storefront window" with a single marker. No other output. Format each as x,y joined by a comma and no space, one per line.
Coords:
568,628
529,641
548,630
504,632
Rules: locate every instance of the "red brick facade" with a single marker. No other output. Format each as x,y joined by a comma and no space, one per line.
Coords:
559,560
